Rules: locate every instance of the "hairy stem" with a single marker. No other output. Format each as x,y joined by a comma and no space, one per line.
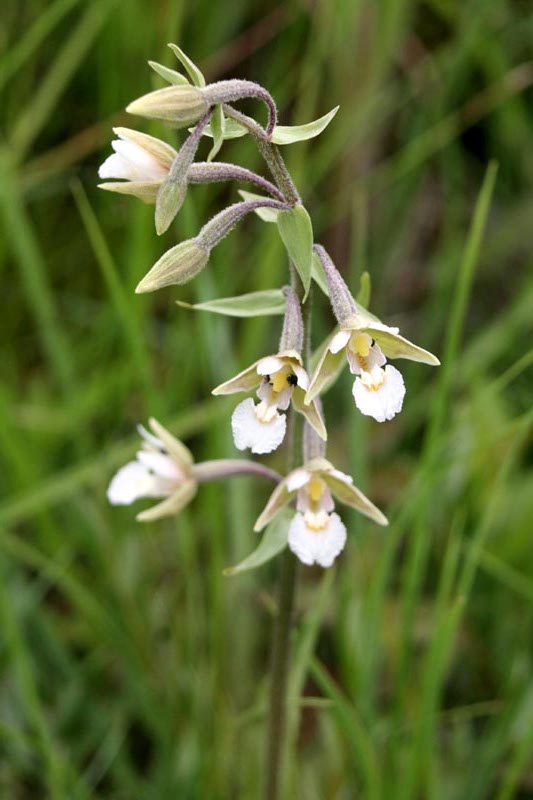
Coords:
270,153
277,717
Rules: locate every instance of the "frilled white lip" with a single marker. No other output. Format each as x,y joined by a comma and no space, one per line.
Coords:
320,546
132,162
152,475
250,432
384,402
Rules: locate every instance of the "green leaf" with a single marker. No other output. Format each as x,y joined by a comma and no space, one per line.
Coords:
288,134
254,304
218,124
273,542
365,289
296,232
195,74
266,214
232,130
168,74
318,274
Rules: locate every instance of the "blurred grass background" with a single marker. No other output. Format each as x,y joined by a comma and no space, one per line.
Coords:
130,667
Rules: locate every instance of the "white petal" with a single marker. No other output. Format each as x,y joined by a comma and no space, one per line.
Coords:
269,365
341,476
380,326
143,164
248,431
297,478
375,358
131,482
382,403
321,546
302,376
116,167
339,341
162,465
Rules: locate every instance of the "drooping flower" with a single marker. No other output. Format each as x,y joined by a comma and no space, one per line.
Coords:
140,162
162,469
317,533
279,380
366,343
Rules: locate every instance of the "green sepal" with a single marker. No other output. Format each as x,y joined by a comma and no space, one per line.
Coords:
273,542
296,232
253,304
195,74
169,75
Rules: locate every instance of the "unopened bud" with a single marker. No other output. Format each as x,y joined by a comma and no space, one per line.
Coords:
169,201
178,265
180,105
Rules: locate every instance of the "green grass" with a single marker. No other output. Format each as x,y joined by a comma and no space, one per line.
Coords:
131,667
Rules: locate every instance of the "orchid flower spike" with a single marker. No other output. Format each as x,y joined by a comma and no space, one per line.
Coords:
316,533
141,162
367,343
163,469
279,379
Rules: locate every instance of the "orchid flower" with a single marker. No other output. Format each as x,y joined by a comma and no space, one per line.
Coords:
279,380
141,162
366,343
316,533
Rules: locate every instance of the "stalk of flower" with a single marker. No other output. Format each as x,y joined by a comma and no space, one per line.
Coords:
279,380
317,534
366,343
183,262
184,104
164,468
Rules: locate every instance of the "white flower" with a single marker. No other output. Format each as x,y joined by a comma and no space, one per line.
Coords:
162,469
317,534
141,161
366,342
279,380
317,545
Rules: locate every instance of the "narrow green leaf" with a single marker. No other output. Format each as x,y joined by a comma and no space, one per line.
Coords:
168,74
266,214
218,124
318,274
288,134
195,74
273,542
365,289
254,304
296,232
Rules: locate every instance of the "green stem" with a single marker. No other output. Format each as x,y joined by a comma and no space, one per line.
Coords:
277,719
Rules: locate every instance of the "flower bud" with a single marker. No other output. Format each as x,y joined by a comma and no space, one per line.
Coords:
180,105
178,265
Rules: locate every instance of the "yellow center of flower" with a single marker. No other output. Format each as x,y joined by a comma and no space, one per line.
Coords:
316,521
279,379
373,380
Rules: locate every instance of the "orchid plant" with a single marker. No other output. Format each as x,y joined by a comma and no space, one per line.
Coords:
288,390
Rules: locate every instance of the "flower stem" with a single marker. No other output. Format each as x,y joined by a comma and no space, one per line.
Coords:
277,720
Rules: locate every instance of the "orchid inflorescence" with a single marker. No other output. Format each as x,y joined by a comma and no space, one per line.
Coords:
155,172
